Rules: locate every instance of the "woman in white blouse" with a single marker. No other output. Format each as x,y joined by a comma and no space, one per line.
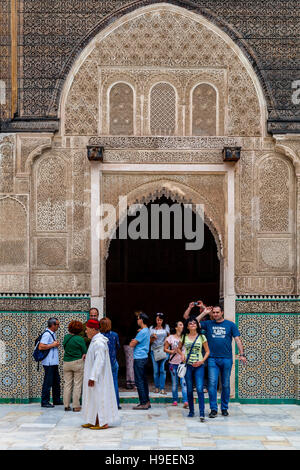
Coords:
159,333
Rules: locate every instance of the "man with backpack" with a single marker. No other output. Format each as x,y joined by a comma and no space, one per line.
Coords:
50,363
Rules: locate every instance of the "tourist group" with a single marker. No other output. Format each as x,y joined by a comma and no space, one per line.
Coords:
198,353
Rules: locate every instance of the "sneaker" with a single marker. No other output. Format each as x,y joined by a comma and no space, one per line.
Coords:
225,413
148,404
213,414
47,405
174,403
185,405
202,419
191,415
163,392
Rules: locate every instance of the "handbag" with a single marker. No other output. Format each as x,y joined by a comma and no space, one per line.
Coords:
159,354
181,370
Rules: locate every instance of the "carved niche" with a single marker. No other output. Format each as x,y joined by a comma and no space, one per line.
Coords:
162,109
51,195
13,234
121,110
204,104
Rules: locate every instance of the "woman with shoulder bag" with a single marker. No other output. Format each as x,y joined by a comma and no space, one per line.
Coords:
193,342
158,334
73,365
171,348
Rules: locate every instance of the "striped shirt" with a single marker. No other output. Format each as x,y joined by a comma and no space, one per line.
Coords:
196,354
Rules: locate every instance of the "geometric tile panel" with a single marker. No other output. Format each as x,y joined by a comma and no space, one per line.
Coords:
270,372
19,377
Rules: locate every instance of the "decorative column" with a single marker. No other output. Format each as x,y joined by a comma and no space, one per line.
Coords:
95,155
297,168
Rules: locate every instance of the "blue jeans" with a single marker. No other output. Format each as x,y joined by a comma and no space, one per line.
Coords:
159,372
115,371
217,365
198,374
51,380
173,371
140,377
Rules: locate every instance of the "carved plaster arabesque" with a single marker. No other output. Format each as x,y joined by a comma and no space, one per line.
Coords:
167,156
275,254
7,163
165,143
14,251
142,80
265,285
51,253
243,101
30,147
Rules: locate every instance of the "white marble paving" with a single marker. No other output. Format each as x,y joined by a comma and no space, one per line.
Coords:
249,427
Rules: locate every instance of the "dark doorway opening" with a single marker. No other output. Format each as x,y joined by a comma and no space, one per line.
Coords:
158,276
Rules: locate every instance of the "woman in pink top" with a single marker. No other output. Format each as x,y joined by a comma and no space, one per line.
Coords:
170,347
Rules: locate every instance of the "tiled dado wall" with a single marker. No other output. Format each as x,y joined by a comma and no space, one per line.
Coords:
269,326
22,319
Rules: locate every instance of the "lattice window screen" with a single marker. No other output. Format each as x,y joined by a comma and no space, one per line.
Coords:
121,110
204,110
162,110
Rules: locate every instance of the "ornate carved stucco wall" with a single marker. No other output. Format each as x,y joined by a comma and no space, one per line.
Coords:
198,55
45,178
51,174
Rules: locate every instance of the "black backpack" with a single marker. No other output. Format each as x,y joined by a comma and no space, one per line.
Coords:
39,355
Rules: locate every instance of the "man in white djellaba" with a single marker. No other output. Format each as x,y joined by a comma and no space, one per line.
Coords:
99,404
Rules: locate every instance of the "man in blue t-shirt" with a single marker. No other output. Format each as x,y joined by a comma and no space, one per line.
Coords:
141,344
219,333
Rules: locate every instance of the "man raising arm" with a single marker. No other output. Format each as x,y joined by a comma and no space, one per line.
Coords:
219,333
203,310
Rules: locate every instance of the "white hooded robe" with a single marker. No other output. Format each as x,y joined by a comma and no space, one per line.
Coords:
101,398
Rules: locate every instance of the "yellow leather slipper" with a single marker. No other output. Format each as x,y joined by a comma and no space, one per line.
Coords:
95,428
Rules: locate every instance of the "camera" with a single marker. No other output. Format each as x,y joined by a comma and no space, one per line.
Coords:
196,304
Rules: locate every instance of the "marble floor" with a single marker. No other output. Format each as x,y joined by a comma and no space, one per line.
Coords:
249,427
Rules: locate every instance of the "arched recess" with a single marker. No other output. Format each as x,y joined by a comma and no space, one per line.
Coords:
177,192
148,34
163,109
275,215
121,109
204,110
13,235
